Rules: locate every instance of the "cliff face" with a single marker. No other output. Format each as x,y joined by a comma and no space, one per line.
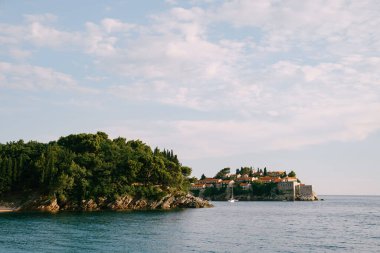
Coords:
126,202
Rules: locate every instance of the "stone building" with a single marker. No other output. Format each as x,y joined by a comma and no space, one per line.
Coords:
288,189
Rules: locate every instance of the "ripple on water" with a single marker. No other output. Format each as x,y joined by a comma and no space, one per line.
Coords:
338,224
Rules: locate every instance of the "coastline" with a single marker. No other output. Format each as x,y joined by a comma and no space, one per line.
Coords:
123,203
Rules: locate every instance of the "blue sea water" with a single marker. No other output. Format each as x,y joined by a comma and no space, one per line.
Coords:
338,224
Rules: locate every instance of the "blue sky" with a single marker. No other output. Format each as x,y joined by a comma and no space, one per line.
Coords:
282,84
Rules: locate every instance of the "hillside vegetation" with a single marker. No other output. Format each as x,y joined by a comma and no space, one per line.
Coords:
89,166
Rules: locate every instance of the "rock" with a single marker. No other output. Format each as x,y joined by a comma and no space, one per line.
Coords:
190,201
139,204
89,205
176,200
168,203
44,204
121,203
312,197
125,202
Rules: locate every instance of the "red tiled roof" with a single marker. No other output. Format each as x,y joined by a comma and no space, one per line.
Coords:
244,179
209,180
269,179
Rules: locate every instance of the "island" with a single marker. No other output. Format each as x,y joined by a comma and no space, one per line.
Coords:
89,172
253,184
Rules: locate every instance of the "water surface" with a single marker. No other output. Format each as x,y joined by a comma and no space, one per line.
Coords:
338,224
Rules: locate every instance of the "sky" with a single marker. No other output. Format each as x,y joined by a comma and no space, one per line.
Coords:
287,85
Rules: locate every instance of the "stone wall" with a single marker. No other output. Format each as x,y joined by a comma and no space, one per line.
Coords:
288,189
306,192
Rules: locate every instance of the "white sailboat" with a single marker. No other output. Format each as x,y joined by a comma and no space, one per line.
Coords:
232,196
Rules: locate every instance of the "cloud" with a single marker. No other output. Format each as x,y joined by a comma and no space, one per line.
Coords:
28,77
11,34
114,25
307,75
287,106
172,61
100,40
19,54
214,138
336,26
38,31
45,36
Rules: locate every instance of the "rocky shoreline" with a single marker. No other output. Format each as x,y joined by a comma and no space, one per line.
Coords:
124,203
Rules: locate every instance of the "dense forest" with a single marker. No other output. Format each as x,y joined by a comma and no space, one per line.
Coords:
84,166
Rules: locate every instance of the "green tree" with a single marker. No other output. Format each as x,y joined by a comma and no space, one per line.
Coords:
82,166
292,174
222,173
186,171
245,170
10,170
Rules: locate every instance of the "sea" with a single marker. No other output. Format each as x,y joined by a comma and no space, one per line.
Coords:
337,224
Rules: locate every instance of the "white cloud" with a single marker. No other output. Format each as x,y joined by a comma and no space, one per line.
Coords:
39,32
173,62
46,36
294,105
309,75
288,103
338,26
11,34
206,138
28,77
113,25
101,40
19,54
